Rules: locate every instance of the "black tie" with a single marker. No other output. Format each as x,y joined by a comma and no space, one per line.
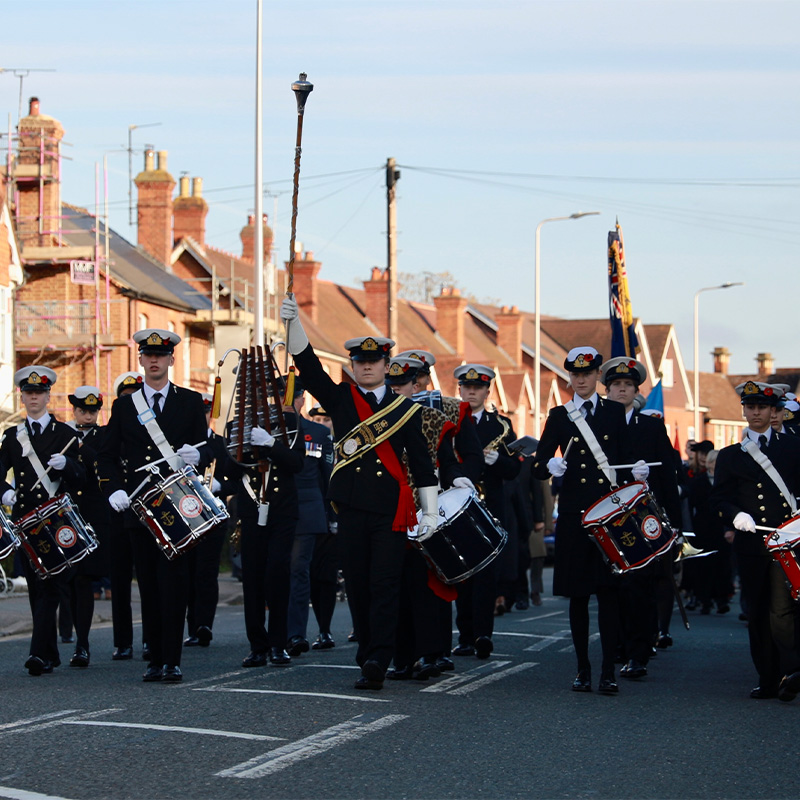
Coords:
372,400
762,443
157,404
587,407
36,427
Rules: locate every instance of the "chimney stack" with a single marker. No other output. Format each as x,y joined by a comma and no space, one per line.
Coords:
722,360
766,365
377,302
154,203
248,237
509,333
189,212
450,307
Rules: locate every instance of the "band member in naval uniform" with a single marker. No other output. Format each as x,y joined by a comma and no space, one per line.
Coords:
87,402
369,487
39,446
591,433
161,421
477,595
647,441
750,491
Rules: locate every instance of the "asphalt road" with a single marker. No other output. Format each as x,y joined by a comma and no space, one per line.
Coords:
504,728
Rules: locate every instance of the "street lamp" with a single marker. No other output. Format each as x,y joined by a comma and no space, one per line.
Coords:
726,285
537,341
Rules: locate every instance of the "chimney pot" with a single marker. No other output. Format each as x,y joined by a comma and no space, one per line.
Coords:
149,156
33,107
309,256
162,160
184,190
197,187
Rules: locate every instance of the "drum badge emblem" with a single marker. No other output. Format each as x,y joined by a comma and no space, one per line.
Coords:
651,527
628,538
350,446
66,536
168,518
190,507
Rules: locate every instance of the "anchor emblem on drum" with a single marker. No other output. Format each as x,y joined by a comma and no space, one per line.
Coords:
628,538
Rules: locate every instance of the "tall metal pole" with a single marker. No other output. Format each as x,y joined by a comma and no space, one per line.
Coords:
392,174
258,240
537,339
696,403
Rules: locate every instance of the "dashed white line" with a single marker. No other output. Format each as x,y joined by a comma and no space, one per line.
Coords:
494,676
330,666
300,694
38,726
541,616
456,680
22,794
311,746
546,641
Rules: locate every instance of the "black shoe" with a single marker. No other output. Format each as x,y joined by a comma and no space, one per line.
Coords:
373,671
760,693
521,605
366,683
278,657
399,674
204,636
789,687
49,666
153,674
80,658
122,654
664,641
191,641
297,645
324,642
35,665
633,670
426,668
608,686
445,664
583,681
255,660
464,650
351,637
145,652
172,674
483,647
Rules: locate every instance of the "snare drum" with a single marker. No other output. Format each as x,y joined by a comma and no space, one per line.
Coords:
179,511
629,527
9,535
784,544
468,539
54,536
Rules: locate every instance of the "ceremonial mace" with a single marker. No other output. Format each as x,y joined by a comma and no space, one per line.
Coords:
302,89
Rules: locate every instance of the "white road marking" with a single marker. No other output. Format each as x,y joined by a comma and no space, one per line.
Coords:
456,680
509,633
301,694
594,637
33,720
495,676
541,616
179,729
311,746
38,726
546,641
330,666
201,681
21,794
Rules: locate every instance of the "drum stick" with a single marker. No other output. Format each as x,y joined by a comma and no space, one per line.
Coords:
630,466
60,453
569,445
166,458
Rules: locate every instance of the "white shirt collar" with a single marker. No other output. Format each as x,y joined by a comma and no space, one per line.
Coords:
379,392
149,391
476,415
754,436
44,420
628,415
579,401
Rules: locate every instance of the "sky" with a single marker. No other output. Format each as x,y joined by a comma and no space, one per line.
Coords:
678,117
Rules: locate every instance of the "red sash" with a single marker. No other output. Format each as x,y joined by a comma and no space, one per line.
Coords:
406,516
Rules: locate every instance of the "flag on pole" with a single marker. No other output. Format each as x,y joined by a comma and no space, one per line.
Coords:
655,400
676,444
623,337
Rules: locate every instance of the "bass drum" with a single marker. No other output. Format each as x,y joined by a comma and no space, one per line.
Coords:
468,539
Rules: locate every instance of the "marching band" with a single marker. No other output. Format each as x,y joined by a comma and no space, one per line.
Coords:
405,489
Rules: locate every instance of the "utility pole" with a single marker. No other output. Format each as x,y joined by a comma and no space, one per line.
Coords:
392,176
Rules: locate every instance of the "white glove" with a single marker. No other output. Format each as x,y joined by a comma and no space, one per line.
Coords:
261,438
119,500
296,339
191,455
490,456
640,470
463,483
57,462
429,503
9,497
216,486
744,522
557,466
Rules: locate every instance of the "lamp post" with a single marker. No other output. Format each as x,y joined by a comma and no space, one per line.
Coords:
726,285
537,361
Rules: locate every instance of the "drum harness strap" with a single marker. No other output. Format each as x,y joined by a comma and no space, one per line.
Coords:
50,486
576,416
753,450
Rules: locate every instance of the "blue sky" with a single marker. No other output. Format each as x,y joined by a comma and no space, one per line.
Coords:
680,118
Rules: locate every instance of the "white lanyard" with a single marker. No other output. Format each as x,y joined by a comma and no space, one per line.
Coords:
576,416
147,417
51,487
761,458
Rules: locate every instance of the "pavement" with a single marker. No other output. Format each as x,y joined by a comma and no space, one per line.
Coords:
15,610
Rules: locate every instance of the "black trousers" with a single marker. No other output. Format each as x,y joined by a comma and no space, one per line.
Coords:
773,619
372,556
204,579
164,589
44,597
324,584
475,605
121,575
266,556
637,605
82,597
